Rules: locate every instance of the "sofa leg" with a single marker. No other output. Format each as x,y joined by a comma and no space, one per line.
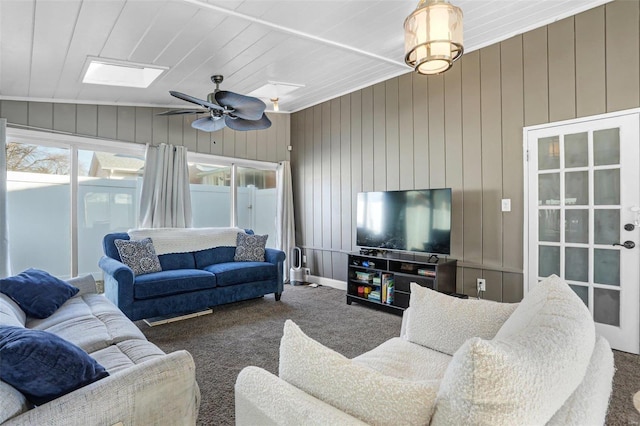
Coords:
278,296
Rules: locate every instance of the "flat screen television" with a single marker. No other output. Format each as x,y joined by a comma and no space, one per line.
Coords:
416,220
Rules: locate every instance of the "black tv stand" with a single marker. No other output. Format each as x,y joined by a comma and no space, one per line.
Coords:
428,271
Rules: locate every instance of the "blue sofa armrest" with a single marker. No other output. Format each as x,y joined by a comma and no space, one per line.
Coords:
277,258
118,283
273,256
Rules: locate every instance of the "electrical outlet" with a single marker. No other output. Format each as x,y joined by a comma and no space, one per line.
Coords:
481,284
304,258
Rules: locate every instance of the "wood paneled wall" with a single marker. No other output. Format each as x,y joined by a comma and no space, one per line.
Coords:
142,125
463,130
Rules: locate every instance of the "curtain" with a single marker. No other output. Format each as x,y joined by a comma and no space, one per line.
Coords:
285,226
5,267
165,200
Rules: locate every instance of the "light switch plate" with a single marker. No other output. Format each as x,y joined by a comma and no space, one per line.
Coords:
506,204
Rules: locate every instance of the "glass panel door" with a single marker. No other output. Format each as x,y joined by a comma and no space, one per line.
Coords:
583,197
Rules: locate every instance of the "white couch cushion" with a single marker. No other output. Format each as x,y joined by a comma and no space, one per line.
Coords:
10,312
12,402
526,373
90,321
363,393
444,323
402,359
126,354
589,403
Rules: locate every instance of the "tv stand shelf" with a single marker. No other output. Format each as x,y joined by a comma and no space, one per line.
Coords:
436,273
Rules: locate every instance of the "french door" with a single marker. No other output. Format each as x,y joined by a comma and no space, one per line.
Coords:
583,216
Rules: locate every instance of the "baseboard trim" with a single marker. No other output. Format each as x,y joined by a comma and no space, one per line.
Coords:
328,282
152,322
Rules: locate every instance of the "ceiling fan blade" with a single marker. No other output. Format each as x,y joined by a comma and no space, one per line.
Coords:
244,125
208,124
246,107
183,111
195,100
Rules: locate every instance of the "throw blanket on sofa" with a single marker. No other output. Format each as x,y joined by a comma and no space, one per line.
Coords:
183,240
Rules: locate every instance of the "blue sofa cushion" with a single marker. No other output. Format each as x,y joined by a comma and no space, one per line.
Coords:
166,283
173,261
214,255
38,293
233,273
44,366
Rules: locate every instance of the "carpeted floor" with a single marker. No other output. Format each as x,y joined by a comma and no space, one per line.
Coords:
248,333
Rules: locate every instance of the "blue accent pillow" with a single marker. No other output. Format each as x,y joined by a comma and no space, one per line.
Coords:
38,293
44,366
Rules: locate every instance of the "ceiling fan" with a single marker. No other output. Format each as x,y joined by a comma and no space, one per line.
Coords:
238,112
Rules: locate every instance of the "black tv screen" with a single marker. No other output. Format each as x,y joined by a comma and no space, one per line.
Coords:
416,220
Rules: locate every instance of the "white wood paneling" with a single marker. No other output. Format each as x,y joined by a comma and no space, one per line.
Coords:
330,47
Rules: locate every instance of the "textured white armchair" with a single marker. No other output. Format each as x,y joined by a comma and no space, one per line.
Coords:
457,361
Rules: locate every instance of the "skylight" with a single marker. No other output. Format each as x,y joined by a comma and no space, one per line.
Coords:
117,73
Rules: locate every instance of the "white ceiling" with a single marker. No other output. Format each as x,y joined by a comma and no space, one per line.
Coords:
331,47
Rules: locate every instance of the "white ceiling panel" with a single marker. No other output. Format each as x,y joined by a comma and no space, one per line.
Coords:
162,31
331,47
94,23
16,41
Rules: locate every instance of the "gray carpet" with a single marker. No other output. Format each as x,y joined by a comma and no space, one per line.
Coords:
248,333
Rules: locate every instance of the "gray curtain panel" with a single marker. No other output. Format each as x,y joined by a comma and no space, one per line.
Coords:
165,199
285,225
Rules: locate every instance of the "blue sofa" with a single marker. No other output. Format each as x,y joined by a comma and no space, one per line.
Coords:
189,281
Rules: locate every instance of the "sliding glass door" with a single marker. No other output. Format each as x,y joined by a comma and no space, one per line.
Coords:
38,207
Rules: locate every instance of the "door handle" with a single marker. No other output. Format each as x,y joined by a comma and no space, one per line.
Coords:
626,244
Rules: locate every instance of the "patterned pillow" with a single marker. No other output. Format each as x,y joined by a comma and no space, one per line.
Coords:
139,255
250,248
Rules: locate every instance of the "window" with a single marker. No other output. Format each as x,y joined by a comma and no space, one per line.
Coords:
51,176
108,200
210,194
257,201
38,184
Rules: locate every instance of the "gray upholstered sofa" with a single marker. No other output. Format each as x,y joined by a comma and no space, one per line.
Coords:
198,272
456,362
145,385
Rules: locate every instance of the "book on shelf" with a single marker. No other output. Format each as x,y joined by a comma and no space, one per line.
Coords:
427,272
386,287
365,276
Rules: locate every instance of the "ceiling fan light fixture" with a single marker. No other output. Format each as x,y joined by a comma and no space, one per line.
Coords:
433,36
276,107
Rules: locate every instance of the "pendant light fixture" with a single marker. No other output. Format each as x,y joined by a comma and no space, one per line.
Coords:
433,36
275,101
